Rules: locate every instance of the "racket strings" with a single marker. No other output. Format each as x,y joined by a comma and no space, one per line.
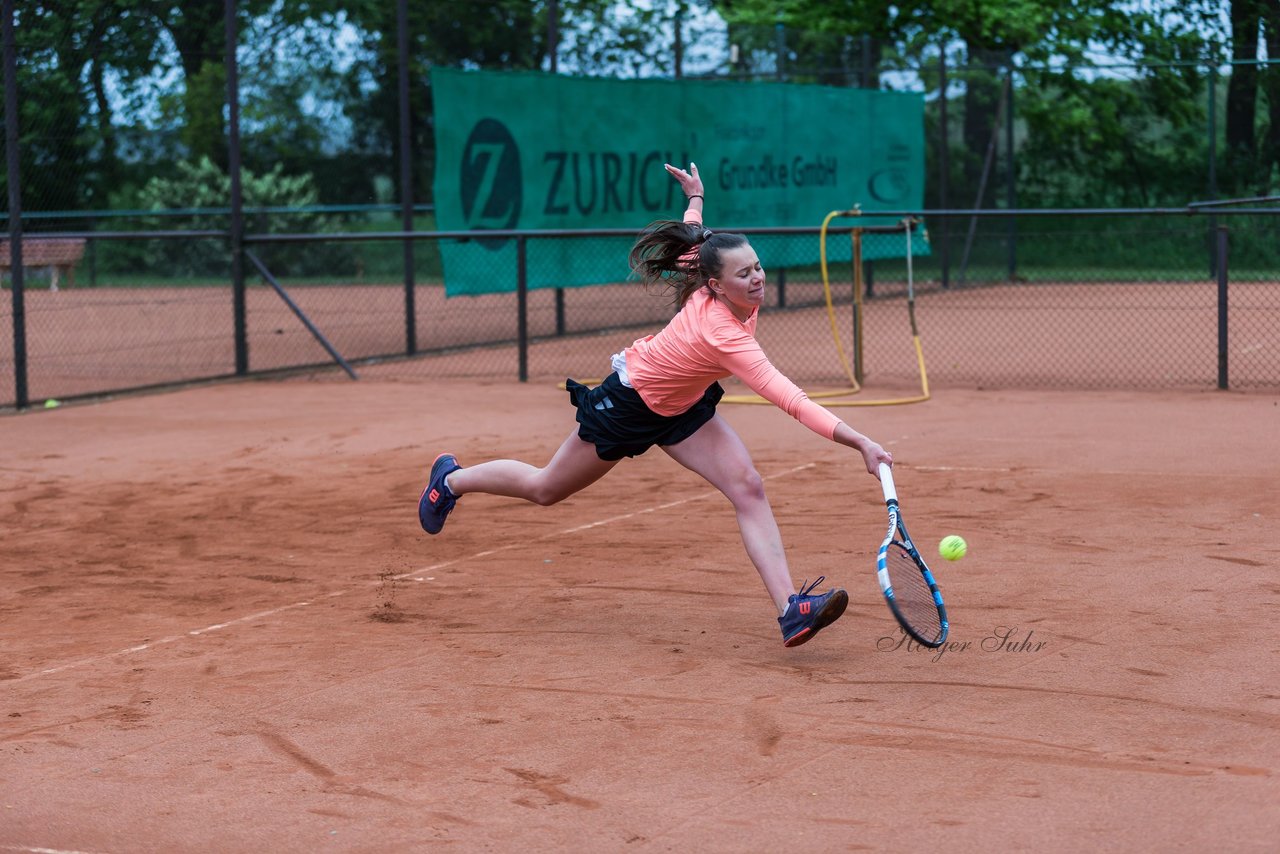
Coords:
912,594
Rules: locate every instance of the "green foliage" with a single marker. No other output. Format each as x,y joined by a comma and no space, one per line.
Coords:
58,79
1107,143
117,92
1084,137
204,133
204,185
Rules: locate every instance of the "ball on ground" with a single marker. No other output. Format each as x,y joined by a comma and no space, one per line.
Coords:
952,547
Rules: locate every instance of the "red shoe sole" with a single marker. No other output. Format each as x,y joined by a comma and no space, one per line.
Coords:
829,614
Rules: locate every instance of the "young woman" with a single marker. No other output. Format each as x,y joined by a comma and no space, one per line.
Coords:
663,391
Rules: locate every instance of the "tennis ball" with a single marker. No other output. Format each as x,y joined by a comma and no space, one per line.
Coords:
952,547
52,404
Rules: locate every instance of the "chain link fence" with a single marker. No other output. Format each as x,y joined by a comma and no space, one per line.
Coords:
1001,302
122,147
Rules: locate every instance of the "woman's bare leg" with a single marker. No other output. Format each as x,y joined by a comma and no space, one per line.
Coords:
716,453
574,467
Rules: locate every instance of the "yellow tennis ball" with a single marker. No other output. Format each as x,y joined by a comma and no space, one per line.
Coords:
952,547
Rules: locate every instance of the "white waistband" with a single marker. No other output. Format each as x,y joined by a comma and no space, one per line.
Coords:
619,364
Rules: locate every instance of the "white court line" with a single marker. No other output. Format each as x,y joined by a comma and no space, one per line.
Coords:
262,614
143,646
1034,470
40,850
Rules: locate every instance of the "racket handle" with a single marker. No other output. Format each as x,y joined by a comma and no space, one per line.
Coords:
886,483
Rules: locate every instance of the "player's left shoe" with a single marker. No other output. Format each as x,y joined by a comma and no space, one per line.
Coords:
437,498
806,614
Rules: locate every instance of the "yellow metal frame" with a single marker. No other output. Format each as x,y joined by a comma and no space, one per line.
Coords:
831,398
855,375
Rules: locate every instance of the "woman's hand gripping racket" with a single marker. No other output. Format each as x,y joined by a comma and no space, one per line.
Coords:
905,580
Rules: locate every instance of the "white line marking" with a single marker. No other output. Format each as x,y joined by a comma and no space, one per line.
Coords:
417,572
1035,470
256,616
40,850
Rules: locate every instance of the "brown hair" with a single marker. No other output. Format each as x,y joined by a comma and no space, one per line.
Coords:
664,254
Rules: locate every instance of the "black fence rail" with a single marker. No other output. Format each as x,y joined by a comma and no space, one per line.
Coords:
1106,299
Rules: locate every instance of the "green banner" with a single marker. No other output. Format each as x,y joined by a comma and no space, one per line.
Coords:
525,150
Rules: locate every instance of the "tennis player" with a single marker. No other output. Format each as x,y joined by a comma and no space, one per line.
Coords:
663,391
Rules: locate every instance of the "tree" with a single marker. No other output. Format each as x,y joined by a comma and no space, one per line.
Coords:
615,38
1242,90
1252,152
1270,159
197,29
492,34
65,52
1048,44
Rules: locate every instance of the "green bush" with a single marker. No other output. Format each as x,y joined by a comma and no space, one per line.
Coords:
204,185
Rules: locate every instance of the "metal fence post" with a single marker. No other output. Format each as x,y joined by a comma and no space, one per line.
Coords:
865,51
522,306
858,368
1213,132
91,249
406,180
21,394
944,170
1223,244
553,49
1213,162
679,40
237,197
1011,177
779,47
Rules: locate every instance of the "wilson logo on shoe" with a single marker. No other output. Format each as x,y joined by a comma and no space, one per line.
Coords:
805,607
433,496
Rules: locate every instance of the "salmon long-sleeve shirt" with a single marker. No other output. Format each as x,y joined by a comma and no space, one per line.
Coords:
704,343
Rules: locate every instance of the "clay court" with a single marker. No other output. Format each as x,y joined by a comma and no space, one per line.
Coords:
224,630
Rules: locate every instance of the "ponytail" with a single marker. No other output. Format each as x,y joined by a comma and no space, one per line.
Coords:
680,256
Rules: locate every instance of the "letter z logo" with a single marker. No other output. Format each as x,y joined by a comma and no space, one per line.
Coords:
489,179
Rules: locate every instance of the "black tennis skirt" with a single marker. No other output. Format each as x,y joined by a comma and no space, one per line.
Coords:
616,420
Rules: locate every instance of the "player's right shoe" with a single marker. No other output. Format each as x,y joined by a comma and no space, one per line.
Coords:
437,499
806,615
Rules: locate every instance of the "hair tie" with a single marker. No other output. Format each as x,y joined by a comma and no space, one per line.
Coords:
706,234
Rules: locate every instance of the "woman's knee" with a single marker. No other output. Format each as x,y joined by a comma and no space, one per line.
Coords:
746,485
545,493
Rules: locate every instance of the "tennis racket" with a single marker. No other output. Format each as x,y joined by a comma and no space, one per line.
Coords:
905,579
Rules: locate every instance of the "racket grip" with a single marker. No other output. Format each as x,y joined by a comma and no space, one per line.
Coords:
886,483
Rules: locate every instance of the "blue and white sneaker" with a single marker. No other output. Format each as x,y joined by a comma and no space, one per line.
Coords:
437,498
806,615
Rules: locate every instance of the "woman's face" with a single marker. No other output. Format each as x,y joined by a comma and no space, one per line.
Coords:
740,284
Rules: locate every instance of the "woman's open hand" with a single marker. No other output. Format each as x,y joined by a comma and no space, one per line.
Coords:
690,182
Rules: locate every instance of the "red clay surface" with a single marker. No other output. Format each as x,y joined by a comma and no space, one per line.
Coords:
224,630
